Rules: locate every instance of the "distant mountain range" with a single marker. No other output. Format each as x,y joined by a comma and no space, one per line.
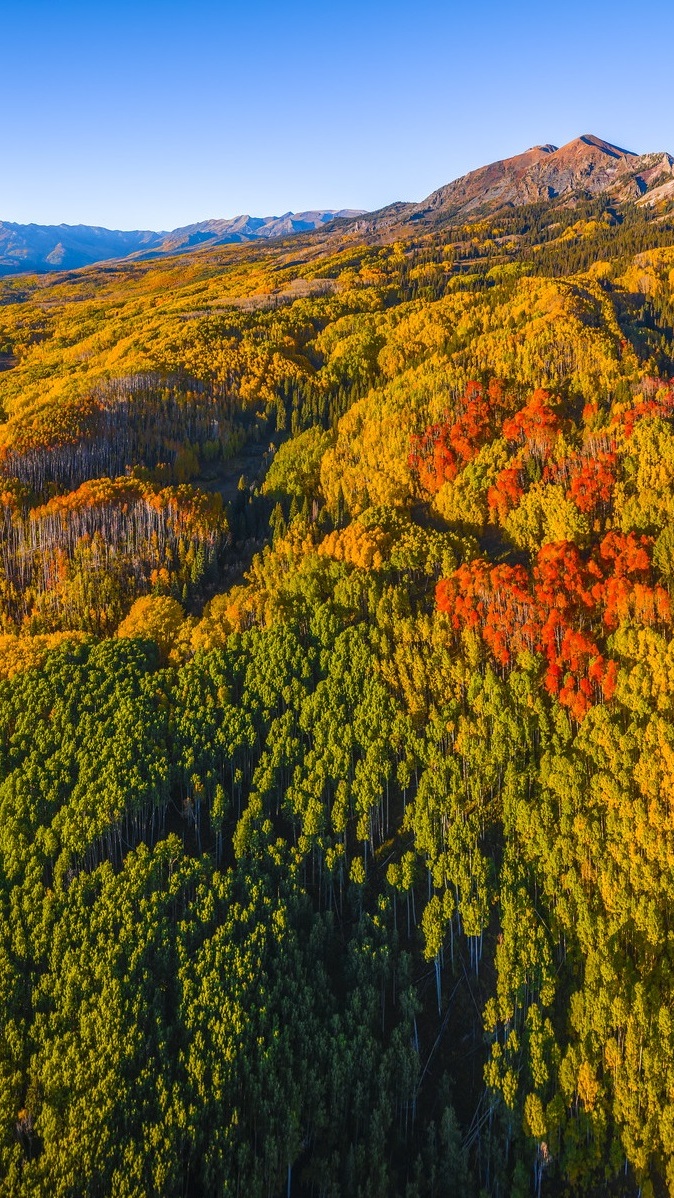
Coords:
43,248
586,166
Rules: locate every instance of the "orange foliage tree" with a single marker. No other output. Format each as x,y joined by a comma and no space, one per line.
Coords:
559,610
444,448
536,425
506,492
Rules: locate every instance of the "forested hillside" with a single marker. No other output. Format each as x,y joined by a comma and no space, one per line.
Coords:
337,716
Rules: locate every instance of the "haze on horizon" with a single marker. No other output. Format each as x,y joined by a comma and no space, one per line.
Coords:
157,116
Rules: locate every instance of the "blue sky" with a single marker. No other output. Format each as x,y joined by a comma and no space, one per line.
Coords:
156,115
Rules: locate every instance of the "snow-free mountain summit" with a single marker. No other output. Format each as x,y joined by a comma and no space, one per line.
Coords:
586,166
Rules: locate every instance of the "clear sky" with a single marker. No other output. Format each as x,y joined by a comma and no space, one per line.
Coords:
154,115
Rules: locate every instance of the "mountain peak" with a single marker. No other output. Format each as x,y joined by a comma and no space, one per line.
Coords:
587,165
588,146
589,139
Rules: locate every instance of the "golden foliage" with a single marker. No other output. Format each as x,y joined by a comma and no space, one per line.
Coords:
357,546
19,653
157,618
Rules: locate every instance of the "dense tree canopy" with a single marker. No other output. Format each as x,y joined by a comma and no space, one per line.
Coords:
337,718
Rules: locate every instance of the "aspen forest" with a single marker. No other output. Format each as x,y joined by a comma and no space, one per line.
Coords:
337,716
